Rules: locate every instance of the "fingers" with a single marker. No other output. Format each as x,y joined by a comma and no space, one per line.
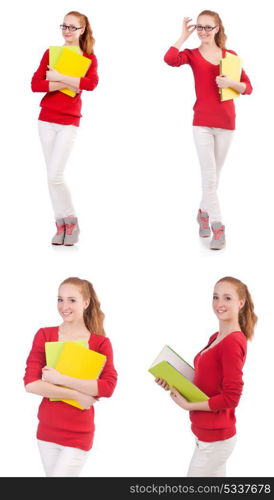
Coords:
162,383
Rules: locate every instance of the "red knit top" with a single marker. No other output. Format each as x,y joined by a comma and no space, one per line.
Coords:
218,373
60,422
58,107
209,110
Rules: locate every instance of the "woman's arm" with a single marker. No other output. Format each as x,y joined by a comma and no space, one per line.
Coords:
180,400
86,386
47,390
225,82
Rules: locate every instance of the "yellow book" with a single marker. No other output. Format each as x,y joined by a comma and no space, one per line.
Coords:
72,64
77,361
56,50
230,66
53,351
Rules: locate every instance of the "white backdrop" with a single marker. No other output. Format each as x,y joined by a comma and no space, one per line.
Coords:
135,181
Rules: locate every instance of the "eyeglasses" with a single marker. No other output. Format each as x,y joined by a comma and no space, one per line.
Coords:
199,27
64,27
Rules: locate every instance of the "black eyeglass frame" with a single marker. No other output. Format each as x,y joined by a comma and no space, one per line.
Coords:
206,28
65,27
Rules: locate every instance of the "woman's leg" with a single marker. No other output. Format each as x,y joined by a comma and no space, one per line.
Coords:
205,145
209,459
70,462
57,141
49,453
223,138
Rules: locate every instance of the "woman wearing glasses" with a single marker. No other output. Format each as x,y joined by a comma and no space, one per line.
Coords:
59,120
214,120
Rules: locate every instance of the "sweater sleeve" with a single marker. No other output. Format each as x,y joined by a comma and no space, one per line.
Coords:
39,82
232,361
174,57
245,79
108,377
36,359
90,81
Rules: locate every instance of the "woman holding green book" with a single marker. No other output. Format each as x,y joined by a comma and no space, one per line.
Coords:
65,432
214,120
60,116
218,373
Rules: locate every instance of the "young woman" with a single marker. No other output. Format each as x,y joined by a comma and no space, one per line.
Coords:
59,120
214,120
218,373
65,433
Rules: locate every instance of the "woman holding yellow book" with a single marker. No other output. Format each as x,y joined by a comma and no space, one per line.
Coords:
214,119
60,114
65,432
218,373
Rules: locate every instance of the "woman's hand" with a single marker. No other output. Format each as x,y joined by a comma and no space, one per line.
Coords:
52,75
162,383
179,399
224,82
51,375
85,400
187,28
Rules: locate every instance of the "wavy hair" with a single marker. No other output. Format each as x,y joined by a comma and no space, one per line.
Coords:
220,37
86,40
93,316
247,317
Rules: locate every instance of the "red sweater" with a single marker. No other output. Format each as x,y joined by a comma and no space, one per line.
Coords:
218,372
59,422
209,110
58,107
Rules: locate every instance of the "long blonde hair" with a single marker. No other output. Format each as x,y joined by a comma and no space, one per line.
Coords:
93,316
220,37
86,40
247,317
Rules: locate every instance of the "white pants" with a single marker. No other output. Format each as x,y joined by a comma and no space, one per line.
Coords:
57,141
212,145
209,459
61,461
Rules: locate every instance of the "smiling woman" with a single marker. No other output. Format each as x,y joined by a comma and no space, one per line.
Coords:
218,373
59,119
214,120
65,433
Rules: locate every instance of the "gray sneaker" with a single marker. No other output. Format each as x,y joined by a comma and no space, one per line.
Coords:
72,231
202,219
58,238
218,238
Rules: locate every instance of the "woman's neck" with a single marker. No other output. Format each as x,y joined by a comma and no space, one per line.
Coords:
209,47
75,329
226,327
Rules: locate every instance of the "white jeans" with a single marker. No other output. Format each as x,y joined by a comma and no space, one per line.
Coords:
212,145
209,459
61,461
57,141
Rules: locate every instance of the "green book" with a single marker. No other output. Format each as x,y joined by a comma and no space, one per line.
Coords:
177,373
55,51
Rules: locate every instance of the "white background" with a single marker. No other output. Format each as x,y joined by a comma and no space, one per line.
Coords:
135,182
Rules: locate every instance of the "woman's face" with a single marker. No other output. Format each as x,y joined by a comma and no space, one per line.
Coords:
71,304
226,302
206,36
72,37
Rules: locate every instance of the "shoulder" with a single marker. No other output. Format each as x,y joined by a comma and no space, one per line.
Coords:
231,52
46,333
235,341
92,57
100,342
